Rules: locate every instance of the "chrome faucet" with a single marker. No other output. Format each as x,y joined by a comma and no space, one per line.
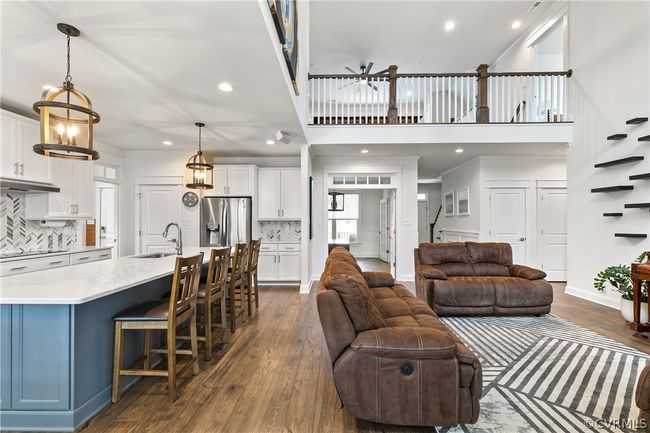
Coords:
179,241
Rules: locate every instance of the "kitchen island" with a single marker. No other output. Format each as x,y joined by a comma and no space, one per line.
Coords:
56,337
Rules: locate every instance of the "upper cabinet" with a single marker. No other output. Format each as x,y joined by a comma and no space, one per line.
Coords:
19,161
234,180
278,194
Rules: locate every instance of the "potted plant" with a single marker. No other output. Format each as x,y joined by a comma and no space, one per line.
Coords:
620,279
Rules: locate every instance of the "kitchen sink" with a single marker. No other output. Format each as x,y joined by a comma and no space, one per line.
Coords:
153,255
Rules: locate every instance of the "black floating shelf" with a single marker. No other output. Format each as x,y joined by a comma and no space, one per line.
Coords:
640,176
637,205
613,188
617,137
631,235
636,121
613,214
627,160
645,138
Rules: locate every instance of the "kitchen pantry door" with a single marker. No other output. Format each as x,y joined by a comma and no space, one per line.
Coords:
508,220
159,205
552,233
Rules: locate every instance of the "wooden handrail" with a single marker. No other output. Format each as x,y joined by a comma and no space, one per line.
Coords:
567,74
437,75
332,76
386,76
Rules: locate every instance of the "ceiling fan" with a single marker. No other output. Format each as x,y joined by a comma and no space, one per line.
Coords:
365,69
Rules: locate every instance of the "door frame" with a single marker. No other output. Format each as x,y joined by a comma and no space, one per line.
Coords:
116,184
138,182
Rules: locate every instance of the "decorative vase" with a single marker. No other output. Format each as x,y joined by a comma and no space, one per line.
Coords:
627,311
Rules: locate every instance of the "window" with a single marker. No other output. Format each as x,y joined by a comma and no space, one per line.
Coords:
342,225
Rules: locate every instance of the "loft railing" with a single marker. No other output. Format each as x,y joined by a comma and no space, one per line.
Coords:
388,97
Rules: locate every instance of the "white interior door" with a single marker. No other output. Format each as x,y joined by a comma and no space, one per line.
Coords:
383,230
508,220
159,205
107,215
553,233
392,233
423,221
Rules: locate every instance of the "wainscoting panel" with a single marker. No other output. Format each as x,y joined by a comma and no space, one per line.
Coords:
459,236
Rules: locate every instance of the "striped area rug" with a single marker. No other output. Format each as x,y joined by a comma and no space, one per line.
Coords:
546,374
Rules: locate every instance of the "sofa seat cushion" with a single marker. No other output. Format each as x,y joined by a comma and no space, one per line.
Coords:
420,321
465,292
519,292
393,307
451,252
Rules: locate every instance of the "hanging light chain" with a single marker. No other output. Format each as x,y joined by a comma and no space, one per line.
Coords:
200,127
68,77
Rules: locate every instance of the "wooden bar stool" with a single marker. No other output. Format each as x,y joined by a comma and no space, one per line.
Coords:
252,288
167,316
237,283
213,291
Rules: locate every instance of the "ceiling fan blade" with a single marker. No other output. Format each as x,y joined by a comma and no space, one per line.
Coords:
352,70
372,86
348,85
369,67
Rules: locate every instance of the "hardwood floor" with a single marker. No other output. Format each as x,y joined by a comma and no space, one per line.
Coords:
373,265
275,376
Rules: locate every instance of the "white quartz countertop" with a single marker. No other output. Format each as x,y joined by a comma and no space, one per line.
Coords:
57,253
78,284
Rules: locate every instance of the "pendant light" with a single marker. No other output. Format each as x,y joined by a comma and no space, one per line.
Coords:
199,172
66,116
336,202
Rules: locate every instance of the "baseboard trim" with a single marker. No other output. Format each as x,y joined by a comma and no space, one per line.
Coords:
592,296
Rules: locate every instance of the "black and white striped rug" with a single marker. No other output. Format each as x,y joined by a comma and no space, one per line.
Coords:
546,374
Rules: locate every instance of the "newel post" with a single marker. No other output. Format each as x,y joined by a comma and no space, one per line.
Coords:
392,100
483,111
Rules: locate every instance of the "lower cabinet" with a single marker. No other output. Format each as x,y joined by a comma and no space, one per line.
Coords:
279,262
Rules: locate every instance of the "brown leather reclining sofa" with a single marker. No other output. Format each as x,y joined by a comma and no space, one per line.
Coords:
465,278
393,360
643,399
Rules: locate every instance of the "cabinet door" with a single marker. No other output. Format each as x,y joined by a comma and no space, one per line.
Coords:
268,194
220,181
8,167
60,203
266,267
240,181
33,166
289,266
291,194
5,356
84,188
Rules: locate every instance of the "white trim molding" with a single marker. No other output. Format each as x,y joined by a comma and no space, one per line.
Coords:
592,296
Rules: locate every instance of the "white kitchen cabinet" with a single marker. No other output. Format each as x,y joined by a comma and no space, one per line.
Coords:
19,161
278,194
76,200
279,262
234,180
27,264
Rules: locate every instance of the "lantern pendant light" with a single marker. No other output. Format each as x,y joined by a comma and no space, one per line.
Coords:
336,201
199,172
67,116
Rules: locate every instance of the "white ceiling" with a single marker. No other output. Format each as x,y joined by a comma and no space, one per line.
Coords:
151,70
436,158
411,34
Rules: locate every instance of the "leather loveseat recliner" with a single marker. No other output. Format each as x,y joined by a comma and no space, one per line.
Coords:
471,278
642,398
393,360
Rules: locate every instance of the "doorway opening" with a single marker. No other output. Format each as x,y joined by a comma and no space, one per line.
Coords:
364,221
107,215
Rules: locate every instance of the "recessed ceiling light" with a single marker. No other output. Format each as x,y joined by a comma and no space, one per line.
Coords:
167,143
450,25
47,86
225,87
364,151
270,142
459,150
516,24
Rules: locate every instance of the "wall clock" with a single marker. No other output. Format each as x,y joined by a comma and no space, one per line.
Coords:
190,199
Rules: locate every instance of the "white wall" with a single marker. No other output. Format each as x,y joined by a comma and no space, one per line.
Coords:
462,176
368,224
609,85
407,234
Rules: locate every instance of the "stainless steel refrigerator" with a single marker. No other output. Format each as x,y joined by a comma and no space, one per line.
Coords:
225,221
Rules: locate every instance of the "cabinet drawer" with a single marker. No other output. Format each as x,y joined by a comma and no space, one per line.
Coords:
269,247
31,265
288,247
89,256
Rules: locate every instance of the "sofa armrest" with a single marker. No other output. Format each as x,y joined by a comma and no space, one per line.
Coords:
522,271
413,343
379,279
642,389
431,272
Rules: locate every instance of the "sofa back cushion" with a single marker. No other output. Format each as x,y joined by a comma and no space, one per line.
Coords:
451,258
490,258
343,276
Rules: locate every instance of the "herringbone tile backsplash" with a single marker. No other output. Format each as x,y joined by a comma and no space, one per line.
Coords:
19,234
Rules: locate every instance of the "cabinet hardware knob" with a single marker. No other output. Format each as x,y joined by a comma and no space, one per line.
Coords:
22,169
16,168
18,268
56,263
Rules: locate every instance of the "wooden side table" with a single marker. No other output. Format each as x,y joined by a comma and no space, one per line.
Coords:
640,273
